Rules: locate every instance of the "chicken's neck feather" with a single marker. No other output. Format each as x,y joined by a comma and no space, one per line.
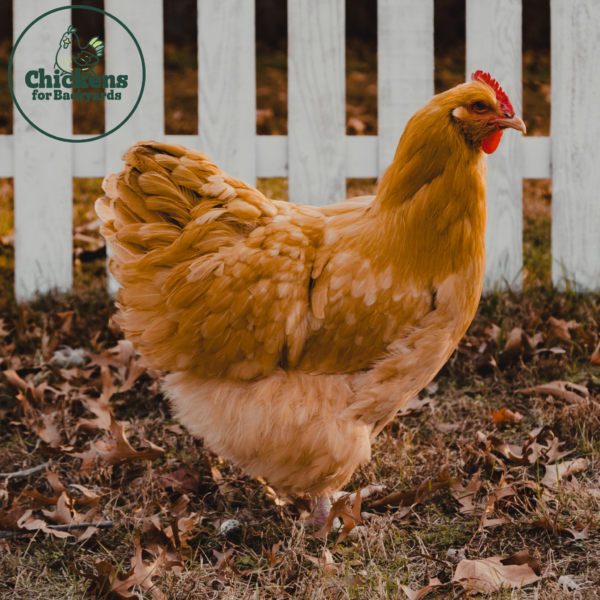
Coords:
430,205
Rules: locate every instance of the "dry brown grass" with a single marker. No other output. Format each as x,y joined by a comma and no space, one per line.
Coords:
390,550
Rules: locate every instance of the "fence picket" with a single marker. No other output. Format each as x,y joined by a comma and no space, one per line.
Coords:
42,165
404,68
227,85
316,101
494,46
144,18
575,134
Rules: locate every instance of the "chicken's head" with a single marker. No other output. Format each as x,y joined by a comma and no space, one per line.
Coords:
67,37
484,111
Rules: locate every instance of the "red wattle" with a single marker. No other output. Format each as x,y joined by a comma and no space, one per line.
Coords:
490,143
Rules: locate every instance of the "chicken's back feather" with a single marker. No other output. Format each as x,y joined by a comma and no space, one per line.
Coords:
215,276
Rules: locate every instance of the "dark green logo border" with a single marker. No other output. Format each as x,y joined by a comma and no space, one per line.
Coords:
12,92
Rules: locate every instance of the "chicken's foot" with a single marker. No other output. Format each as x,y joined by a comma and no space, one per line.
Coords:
320,512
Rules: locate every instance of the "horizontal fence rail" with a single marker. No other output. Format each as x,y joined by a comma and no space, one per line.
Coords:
360,158
317,156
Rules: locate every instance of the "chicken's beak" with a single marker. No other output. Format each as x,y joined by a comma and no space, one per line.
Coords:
513,122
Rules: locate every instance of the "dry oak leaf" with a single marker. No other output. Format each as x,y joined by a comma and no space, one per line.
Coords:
564,390
418,494
185,479
581,533
116,451
559,328
491,574
224,564
65,514
493,332
465,496
339,506
556,472
447,427
595,358
3,331
326,562
40,416
107,583
134,372
516,346
29,522
418,594
414,407
505,417
274,560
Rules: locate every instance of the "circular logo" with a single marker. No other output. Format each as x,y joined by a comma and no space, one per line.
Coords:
69,73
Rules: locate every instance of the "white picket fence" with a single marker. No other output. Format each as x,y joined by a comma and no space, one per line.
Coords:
316,154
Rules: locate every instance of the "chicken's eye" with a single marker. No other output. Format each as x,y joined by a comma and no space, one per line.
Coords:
478,106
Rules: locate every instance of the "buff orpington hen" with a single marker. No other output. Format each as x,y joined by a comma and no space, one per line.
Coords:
292,334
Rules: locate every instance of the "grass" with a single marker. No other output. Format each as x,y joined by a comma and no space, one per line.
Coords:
390,551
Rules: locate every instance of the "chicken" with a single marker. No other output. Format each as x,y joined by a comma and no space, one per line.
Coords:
294,334
85,58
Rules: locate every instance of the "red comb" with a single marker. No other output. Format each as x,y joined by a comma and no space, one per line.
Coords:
500,93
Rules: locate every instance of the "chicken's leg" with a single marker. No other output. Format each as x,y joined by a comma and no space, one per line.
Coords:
320,512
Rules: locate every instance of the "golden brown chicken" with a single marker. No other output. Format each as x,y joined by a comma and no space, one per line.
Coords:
293,334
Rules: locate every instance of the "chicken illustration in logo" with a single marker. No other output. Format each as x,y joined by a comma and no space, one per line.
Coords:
84,57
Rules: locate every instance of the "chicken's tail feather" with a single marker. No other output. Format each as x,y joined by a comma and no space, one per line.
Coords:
162,190
170,205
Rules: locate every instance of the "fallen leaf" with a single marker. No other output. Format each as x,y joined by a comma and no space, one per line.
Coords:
552,452
3,331
326,562
447,427
523,558
100,407
556,472
558,328
142,573
66,321
581,533
493,332
559,389
351,520
185,479
491,574
338,506
418,494
517,346
116,451
465,496
489,509
506,417
123,352
176,429
418,594
134,372
595,357
225,565
356,124
414,407
274,560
